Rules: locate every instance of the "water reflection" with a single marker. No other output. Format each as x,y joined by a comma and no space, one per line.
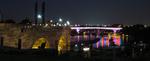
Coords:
104,39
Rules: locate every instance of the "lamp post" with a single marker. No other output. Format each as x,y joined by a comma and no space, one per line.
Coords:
68,23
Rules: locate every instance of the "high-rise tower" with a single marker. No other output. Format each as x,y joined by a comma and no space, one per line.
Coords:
39,12
43,12
35,12
1,16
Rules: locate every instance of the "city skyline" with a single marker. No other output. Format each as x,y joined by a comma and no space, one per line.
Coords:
82,12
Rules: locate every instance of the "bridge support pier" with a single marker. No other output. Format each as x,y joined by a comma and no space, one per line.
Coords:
19,43
1,42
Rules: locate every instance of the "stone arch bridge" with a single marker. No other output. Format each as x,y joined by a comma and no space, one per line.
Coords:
32,36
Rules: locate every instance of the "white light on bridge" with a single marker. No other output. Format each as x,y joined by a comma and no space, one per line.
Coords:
76,45
54,25
40,24
59,24
76,25
86,49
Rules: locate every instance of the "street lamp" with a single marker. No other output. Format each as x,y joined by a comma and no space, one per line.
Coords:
65,24
68,23
51,21
86,49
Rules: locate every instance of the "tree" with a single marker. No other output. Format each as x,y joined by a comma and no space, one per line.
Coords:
8,21
25,21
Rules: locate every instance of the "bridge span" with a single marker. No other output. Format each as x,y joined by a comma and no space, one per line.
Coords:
105,28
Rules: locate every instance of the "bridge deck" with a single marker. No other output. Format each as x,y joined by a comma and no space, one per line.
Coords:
107,28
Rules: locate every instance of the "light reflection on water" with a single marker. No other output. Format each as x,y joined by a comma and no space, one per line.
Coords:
104,41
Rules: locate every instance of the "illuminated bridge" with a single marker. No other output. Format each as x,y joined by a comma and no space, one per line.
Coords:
109,28
102,36
105,28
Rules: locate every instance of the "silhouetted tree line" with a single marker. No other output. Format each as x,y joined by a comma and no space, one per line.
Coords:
137,33
8,21
23,22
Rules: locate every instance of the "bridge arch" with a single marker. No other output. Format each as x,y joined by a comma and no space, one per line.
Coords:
63,44
41,42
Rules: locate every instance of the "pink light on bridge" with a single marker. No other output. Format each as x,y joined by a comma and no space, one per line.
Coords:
78,30
98,44
106,28
102,42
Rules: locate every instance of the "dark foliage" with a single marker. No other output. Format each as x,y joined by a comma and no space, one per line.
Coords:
25,21
8,21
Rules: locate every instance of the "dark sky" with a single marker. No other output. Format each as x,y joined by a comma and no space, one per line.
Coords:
83,11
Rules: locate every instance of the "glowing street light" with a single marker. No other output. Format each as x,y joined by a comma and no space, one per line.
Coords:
59,24
76,45
65,24
68,23
60,20
78,30
86,49
51,20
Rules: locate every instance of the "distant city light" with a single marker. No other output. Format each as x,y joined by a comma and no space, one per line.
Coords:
39,16
51,20
54,25
145,26
33,24
40,24
65,24
105,25
76,25
59,24
46,25
60,20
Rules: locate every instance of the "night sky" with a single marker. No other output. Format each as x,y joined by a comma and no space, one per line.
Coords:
83,11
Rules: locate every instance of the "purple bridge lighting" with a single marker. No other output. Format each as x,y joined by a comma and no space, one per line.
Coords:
106,28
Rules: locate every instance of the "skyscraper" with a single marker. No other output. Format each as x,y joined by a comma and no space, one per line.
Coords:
39,12
1,15
35,12
43,12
